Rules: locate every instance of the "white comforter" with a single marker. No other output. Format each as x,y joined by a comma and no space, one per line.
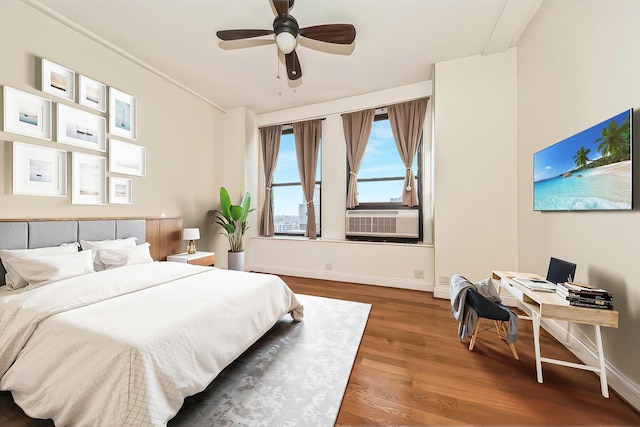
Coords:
124,347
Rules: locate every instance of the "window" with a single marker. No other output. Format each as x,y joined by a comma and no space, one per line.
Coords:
381,175
289,206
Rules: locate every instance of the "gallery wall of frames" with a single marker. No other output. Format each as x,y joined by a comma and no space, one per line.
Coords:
42,171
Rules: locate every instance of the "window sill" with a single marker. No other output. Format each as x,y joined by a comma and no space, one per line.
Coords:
349,242
298,238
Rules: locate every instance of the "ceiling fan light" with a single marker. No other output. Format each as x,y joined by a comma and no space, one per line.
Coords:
286,42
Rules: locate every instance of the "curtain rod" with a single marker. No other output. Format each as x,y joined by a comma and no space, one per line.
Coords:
347,111
379,107
291,123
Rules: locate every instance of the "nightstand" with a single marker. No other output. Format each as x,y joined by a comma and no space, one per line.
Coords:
199,258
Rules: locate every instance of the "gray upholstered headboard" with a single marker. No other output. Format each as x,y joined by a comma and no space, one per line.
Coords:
40,234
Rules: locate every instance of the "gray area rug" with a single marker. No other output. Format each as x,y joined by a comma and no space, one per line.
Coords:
295,375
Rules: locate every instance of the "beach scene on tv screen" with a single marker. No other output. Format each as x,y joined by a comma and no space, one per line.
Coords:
588,171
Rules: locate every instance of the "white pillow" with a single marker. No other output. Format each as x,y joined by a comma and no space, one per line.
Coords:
48,269
113,258
98,245
13,279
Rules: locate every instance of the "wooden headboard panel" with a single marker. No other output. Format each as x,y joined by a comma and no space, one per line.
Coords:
165,236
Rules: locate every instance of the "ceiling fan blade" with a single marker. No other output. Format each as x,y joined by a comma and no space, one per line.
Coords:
331,33
227,35
293,66
282,7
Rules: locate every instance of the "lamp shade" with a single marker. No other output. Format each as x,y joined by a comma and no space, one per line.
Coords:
286,42
191,234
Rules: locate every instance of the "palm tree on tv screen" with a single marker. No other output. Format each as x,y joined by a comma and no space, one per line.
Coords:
581,158
615,141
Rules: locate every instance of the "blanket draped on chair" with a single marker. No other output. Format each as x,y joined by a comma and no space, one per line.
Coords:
466,316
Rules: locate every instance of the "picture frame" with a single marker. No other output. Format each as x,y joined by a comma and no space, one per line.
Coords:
120,190
88,182
80,128
26,114
122,114
127,158
92,93
58,80
39,171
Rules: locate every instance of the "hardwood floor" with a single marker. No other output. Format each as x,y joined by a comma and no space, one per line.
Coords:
411,369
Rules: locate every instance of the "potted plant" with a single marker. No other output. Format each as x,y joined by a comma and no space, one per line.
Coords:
233,218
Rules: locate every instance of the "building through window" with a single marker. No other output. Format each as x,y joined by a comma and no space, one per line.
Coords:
289,206
381,175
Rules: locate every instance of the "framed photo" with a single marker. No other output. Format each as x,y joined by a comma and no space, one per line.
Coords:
26,114
88,185
122,114
120,190
77,127
58,81
92,94
39,171
126,158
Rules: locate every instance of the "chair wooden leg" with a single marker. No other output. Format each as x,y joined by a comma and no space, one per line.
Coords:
473,337
511,345
513,350
499,329
502,333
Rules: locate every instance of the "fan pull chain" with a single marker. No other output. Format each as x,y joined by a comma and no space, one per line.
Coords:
278,74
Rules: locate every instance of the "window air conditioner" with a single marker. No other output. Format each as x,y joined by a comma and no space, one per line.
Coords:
383,223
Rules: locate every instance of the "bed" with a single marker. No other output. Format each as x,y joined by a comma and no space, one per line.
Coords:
125,346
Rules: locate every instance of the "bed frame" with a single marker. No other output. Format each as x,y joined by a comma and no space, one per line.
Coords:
163,234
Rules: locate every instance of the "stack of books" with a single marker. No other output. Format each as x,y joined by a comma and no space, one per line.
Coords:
583,295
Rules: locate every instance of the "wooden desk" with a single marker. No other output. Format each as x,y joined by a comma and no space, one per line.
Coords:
548,305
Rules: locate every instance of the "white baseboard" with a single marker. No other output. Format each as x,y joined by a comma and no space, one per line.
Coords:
441,292
579,346
413,284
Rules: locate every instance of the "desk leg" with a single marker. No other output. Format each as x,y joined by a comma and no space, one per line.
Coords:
603,369
536,344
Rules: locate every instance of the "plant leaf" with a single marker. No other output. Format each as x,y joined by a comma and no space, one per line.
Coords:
236,212
231,228
225,202
246,202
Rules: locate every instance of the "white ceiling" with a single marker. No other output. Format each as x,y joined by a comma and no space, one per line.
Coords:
397,43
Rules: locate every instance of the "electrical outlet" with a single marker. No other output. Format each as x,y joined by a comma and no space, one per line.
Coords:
445,281
328,266
418,274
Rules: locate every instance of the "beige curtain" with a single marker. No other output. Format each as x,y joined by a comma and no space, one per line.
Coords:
307,137
270,144
406,121
357,128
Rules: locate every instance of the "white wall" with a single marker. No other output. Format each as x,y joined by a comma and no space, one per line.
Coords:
373,263
177,128
578,65
475,201
240,146
384,264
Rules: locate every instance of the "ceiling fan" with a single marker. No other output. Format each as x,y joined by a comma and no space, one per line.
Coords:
286,30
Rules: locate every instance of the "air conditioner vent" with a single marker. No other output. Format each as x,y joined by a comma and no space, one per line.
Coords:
383,223
372,224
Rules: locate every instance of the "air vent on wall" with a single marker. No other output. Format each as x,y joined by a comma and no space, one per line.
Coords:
383,223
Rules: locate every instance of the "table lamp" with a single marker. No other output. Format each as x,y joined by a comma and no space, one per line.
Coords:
191,234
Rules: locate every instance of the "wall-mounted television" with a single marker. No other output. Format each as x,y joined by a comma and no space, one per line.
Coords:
587,171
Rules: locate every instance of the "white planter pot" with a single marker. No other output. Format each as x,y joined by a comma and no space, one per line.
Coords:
236,261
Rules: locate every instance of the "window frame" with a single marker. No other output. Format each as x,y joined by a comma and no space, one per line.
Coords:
383,115
288,130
